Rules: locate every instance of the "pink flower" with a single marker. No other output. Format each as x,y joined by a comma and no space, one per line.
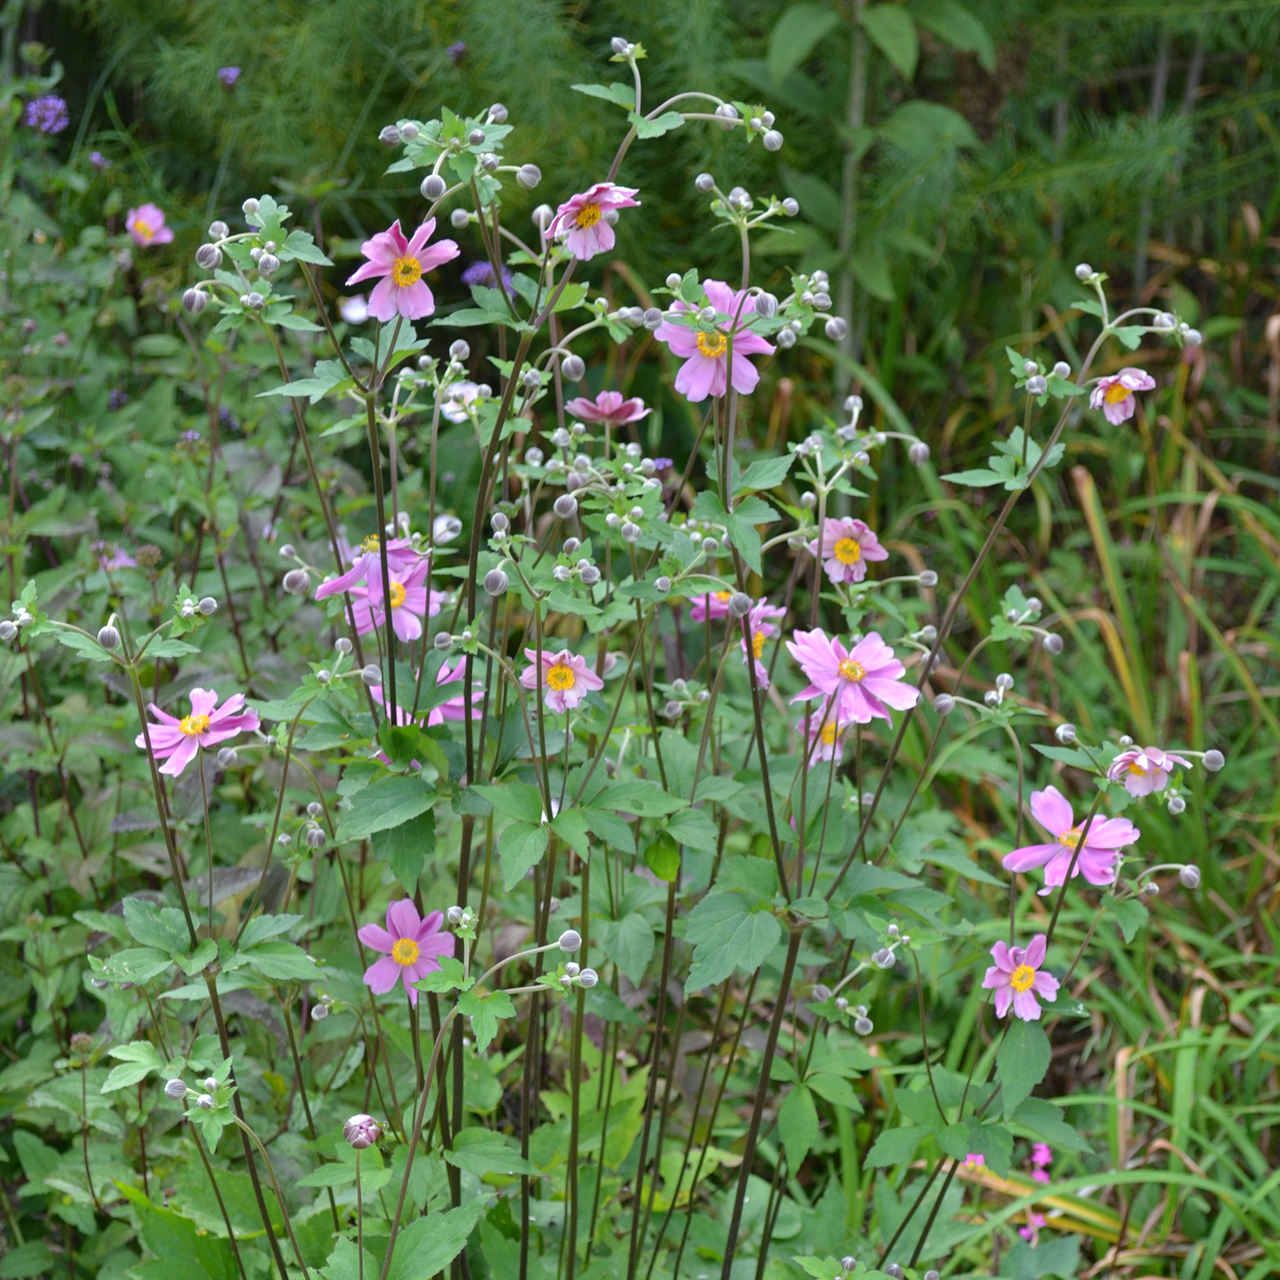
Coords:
565,676
1041,1154
865,680
1097,860
454,709
366,564
1017,979
608,406
113,557
580,221
1114,395
1039,1175
409,945
705,352
411,601
1031,1232
826,736
1144,769
975,1160
457,396
361,1131
714,606
760,628
847,545
177,741
146,225
401,264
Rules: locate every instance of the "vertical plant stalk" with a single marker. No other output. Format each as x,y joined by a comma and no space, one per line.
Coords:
850,173
375,458
217,1195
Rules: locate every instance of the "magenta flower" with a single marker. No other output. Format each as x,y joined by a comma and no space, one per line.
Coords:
565,676
865,681
1041,1154
399,265
146,225
113,557
608,406
1031,1232
454,709
227,76
1097,860
411,601
705,371
366,564
1114,395
410,948
714,606
975,1160
361,1131
825,733
1016,978
760,628
581,223
847,545
1145,769
177,741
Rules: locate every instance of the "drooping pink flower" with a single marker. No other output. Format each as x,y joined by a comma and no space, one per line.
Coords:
1098,855
410,948
705,351
580,221
1145,769
399,266
865,680
608,406
366,563
847,545
146,225
361,1131
714,606
176,742
760,627
566,678
1016,978
825,732
1114,395
411,601
454,709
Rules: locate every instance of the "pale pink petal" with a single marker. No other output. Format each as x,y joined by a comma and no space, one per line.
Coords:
1026,1006
1030,856
370,271
1035,952
183,755
1000,954
376,938
1004,998
403,919
1052,811
203,701
382,975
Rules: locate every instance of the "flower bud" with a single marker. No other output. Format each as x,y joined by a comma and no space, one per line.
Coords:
590,576
570,941
619,46
194,301
495,582
371,674
175,1089
1053,644
631,532
739,604
662,583
409,131
588,978
208,256
288,551
108,637
863,1026
254,300
931,1274
848,1263
672,709
944,704
1189,876
528,176
443,641
205,1102
361,1131
791,207
1083,271
208,606
565,506
1062,369
7,630
1150,889
268,264
772,140
835,328
785,338
991,698
459,218
249,207
842,1005
541,217
218,230
315,838
389,136
1177,805
710,546
343,645
1004,681
928,578
704,182
227,757
433,186
884,958
296,581
894,1271
1193,337
728,113
1065,734
1038,385
319,1012
573,368
1214,760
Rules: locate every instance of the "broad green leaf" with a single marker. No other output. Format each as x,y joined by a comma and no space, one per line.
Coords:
656,127
895,1146
662,857
520,846
260,928
623,94
571,827
993,1141
958,27
137,1061
326,375
153,926
282,961
405,848
892,32
798,1124
484,1012
764,473
1129,913
84,645
630,943
517,800
795,36
726,935
644,799
180,1252
1045,1121
428,1245
384,804
1021,1062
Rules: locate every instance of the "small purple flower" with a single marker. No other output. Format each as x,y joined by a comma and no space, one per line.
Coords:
189,437
482,273
228,76
98,160
117,399
227,419
457,52
48,114
662,464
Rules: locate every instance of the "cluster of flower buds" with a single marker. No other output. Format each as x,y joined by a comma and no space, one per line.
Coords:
205,1097
189,607
322,1008
463,920
995,697
573,976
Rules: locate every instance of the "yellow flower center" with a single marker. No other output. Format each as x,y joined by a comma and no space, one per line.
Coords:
397,594
405,952
1023,978
829,731
712,344
848,551
757,643
370,543
1136,768
1116,392
723,596
851,670
406,271
1069,839
193,724
142,229
587,216
561,677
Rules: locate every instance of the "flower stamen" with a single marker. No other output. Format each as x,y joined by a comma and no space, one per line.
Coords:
1116,392
397,594
560,677
850,669
712,345
405,952
406,271
1069,839
848,551
193,725
1023,978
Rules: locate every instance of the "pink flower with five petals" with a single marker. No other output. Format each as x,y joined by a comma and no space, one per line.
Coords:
705,371
1016,978
1114,395
176,742
865,681
146,225
1098,854
1145,769
847,545
366,563
581,223
399,266
608,406
565,678
411,948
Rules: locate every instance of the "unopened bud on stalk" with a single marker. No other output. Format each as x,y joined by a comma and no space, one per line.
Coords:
619,45
570,941
361,1131
343,645
704,182
931,1275
893,1270
772,140
884,958
848,1263
1062,369
835,328
1037,386
821,992
459,218
991,698
662,583
372,674
528,176
672,709
842,1005
1053,644
208,256
205,1102
1150,889
565,506
588,978
8,630
863,1026
1189,876
1004,681
1177,805
541,217
268,264
573,368
785,338
1065,734
227,758
944,704
108,637
1083,271
194,301
296,581
928,578
653,317
739,604
495,582
1214,760
433,187
389,136
207,606
175,1089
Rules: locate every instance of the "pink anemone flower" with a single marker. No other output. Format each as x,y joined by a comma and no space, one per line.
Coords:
1098,854
705,371
581,223
366,563
411,601
713,606
399,266
1031,1232
847,545
453,709
608,406
760,627
410,948
825,732
146,225
1145,769
176,742
1114,395
1016,978
565,677
865,681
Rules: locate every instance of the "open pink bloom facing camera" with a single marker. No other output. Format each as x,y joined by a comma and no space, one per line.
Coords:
608,406
176,742
1114,395
1145,769
146,225
399,265
411,601
580,221
847,545
1098,853
865,681
760,627
565,678
1016,978
705,371
411,948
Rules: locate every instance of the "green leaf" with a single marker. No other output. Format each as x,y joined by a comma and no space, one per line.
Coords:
302,247
630,943
382,805
1130,335
635,795
153,926
764,473
484,1012
1021,1062
1129,913
958,27
795,36
138,1060
623,94
428,1245
282,961
82,644
260,928
482,1151
405,848
655,128
895,1146
892,32
326,375
204,954
517,800
520,846
993,1141
1045,1121
726,935
662,857
798,1124
450,976
27,1260
170,649
180,1252
344,1261
571,826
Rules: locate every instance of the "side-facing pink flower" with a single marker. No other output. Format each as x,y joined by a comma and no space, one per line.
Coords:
714,606
865,680
1145,769
1031,1232
411,601
366,563
705,371
847,545
146,225
176,742
399,265
113,557
825,733
608,406
580,221
1098,855
565,678
454,709
410,946
760,627
1114,395
975,1160
1016,978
